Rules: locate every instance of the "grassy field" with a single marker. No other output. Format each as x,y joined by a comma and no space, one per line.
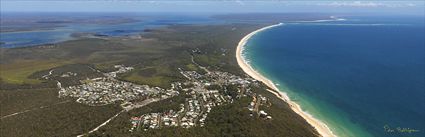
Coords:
19,71
157,80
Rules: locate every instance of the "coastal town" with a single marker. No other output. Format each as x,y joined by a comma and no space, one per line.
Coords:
202,91
106,90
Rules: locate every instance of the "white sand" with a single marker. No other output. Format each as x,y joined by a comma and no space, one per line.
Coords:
322,128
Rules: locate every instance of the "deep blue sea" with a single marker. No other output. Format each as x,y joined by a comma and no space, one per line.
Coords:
362,77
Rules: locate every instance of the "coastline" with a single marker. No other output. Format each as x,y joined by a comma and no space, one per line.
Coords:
320,127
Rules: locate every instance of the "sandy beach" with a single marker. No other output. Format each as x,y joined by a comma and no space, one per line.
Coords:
321,128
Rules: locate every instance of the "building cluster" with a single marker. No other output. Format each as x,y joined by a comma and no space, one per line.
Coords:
68,74
107,89
202,92
199,104
193,112
254,106
155,120
200,99
121,69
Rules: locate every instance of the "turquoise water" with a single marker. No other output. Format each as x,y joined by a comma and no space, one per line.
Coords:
362,77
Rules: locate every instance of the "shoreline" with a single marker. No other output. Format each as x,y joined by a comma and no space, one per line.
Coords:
320,127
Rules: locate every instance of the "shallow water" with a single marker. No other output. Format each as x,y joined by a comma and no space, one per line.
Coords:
37,37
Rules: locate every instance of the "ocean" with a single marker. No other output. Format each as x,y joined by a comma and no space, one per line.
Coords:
364,76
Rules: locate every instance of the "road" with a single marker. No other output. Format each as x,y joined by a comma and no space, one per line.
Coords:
37,108
101,125
193,61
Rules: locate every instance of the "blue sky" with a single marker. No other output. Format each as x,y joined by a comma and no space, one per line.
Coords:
211,6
